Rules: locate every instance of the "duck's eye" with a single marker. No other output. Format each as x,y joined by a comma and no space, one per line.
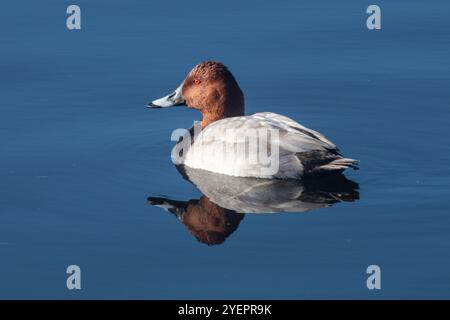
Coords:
197,81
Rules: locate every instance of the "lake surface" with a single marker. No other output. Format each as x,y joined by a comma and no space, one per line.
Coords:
80,154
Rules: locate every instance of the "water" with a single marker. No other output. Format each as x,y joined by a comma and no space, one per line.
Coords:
80,154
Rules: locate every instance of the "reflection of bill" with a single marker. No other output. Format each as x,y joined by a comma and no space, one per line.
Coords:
255,150
218,213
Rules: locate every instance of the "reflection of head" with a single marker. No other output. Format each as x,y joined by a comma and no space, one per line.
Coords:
208,222
205,220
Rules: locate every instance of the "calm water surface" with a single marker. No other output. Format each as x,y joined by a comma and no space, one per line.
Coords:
80,154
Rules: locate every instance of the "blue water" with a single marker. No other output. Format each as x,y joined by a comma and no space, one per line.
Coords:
79,153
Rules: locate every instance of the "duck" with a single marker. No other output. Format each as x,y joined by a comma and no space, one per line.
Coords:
263,145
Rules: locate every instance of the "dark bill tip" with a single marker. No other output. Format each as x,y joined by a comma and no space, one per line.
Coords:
152,105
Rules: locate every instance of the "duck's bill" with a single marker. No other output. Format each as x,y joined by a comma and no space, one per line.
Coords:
171,100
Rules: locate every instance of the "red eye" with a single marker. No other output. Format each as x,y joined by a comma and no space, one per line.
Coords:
197,81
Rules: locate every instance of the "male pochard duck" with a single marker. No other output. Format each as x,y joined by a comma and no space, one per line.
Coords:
225,142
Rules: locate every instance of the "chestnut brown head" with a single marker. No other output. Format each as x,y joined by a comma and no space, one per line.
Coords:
210,88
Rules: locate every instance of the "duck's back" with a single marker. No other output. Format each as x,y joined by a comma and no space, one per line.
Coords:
264,145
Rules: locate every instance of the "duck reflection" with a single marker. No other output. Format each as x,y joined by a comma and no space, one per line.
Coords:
226,199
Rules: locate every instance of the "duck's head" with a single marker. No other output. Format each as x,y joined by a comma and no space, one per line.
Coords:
210,88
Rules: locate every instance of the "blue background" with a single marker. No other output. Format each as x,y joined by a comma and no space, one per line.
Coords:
79,153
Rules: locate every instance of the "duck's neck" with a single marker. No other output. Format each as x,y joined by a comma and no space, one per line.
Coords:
224,108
